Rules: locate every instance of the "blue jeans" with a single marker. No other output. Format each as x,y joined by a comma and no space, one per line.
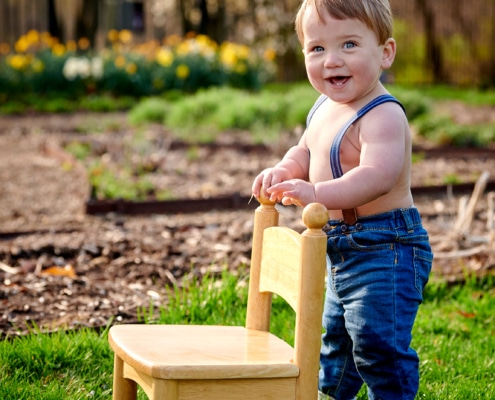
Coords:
377,270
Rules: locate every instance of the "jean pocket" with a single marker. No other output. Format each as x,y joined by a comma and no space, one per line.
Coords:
371,241
422,261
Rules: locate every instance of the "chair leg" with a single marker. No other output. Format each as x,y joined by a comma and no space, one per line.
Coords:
123,389
165,390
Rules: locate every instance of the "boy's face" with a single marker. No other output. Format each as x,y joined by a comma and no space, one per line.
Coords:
343,57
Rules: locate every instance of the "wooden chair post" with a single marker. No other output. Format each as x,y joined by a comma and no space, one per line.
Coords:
259,304
312,287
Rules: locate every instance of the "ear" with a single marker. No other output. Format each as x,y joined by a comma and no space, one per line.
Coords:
389,49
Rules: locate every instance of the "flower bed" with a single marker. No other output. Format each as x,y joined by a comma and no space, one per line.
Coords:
38,64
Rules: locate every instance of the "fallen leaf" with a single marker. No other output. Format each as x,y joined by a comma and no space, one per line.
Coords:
466,314
67,271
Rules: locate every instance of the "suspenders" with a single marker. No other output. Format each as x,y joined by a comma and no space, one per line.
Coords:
350,215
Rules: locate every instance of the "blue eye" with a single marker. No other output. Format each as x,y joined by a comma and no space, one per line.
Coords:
349,45
318,49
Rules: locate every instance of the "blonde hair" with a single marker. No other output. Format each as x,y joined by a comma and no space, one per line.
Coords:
375,14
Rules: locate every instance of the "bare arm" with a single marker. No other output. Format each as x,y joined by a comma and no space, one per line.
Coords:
383,141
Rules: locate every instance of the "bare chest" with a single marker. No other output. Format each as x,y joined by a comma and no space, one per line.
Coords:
323,132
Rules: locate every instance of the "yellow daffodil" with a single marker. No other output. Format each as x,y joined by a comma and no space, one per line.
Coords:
18,61
83,43
58,49
33,36
71,45
184,48
131,68
172,40
125,36
47,39
113,35
182,71
269,55
165,57
228,56
243,51
206,43
120,62
22,45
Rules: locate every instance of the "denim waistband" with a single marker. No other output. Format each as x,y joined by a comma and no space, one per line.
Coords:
406,218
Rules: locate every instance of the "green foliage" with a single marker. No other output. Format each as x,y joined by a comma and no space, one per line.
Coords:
122,184
451,179
409,63
415,103
105,103
62,104
264,114
12,107
443,131
153,109
470,96
78,149
464,55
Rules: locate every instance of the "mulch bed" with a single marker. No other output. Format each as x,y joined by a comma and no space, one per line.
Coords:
63,268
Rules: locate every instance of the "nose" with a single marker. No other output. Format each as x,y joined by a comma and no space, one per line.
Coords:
333,60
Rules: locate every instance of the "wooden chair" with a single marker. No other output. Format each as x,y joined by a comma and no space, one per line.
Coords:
184,362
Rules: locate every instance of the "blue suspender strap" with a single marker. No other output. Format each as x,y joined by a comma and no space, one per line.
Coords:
350,215
319,101
335,150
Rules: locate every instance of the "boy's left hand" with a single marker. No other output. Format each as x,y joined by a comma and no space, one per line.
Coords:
293,191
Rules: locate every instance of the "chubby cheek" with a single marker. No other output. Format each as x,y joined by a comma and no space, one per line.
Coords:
314,74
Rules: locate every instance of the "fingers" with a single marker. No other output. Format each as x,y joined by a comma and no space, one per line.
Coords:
281,192
295,192
264,181
257,184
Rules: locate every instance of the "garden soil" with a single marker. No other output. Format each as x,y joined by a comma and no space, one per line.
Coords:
62,268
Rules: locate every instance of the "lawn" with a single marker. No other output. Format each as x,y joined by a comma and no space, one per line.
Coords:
454,335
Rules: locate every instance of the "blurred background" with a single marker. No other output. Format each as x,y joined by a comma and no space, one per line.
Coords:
439,41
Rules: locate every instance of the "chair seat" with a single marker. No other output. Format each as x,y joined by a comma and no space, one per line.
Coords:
202,352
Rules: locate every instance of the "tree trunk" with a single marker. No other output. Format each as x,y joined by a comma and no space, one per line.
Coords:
87,22
434,58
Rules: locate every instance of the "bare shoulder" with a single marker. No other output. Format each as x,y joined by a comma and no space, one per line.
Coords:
387,121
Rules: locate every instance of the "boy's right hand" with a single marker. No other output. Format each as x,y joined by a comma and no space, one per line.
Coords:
267,178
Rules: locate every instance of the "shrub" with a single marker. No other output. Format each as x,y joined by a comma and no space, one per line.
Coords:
149,110
442,130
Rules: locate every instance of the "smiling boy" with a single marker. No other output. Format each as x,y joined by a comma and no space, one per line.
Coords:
355,158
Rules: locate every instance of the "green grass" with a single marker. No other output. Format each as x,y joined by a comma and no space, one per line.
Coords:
73,365
454,335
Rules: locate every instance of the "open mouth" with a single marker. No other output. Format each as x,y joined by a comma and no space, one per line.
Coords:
338,80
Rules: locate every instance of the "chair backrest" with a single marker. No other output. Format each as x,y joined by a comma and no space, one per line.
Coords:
291,265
